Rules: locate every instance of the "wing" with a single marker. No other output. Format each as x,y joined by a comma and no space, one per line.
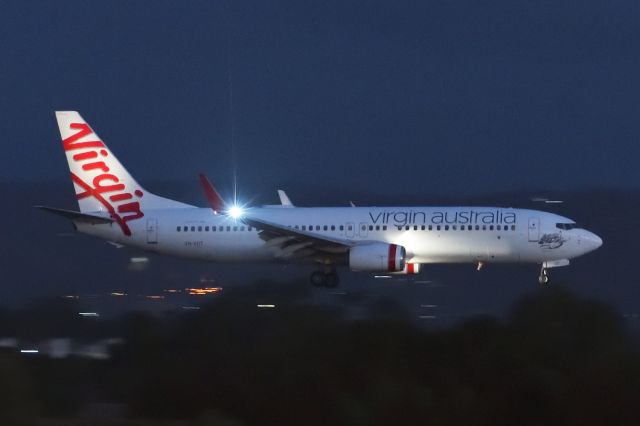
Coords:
289,243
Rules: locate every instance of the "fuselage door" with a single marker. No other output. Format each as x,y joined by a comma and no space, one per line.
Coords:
534,229
152,231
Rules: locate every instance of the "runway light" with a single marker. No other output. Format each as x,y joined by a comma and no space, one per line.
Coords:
268,306
235,212
29,351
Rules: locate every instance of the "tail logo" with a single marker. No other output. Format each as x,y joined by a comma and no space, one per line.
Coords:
118,203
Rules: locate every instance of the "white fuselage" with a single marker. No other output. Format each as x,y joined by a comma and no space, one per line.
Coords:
429,234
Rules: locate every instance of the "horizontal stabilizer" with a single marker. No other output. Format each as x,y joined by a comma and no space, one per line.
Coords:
77,216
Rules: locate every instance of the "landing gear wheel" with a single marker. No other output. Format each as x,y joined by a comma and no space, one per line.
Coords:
544,277
332,280
318,279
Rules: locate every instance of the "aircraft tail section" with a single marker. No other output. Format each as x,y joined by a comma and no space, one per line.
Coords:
101,182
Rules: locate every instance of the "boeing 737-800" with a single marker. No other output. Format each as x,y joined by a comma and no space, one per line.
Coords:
390,240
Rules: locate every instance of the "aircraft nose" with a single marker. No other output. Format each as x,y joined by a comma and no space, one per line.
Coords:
591,241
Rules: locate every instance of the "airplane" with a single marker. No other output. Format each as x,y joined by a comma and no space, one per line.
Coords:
389,240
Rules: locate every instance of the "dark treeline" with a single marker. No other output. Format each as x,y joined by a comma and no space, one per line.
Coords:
556,359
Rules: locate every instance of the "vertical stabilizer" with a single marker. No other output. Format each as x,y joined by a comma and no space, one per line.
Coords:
101,182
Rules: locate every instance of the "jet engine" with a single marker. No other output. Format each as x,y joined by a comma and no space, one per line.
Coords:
377,257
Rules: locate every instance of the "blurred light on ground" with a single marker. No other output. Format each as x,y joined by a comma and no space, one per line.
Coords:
203,291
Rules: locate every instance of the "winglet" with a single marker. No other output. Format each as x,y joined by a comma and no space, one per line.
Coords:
284,199
213,198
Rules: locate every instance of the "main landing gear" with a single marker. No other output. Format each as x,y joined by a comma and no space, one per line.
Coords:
544,276
327,278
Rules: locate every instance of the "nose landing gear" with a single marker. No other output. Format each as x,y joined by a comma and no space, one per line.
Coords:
544,276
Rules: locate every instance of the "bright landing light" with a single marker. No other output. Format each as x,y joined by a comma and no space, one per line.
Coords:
235,212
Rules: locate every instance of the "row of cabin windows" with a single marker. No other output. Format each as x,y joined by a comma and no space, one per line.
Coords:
213,228
456,227
350,228
334,227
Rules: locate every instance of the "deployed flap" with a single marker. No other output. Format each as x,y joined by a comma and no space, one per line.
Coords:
77,216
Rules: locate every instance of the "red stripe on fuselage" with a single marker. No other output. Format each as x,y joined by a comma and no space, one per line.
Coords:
392,257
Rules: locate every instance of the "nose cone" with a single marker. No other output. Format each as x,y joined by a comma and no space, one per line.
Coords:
590,241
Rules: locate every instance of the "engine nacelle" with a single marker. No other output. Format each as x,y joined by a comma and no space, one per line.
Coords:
377,257
409,269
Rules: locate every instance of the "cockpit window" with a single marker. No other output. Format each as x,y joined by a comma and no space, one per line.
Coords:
567,226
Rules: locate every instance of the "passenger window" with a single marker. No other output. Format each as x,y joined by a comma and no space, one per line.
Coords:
364,228
317,227
430,227
513,227
422,227
350,227
490,227
406,227
384,227
206,228
242,228
446,227
235,228
399,227
415,227
477,227
462,227
370,227
249,229
304,227
438,227
295,227
377,227
193,229
325,227
228,229
484,227
342,227
333,227
498,227
178,229
453,227
213,228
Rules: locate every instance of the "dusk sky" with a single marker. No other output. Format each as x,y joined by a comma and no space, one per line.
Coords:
464,96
